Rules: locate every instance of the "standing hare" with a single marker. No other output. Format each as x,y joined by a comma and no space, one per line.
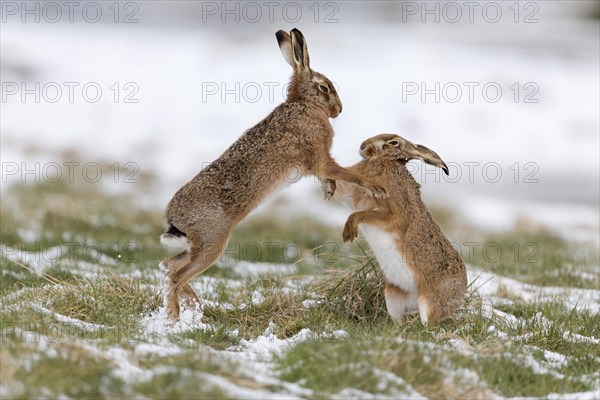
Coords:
423,271
295,138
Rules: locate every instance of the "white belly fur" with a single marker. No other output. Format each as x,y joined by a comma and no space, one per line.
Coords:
390,259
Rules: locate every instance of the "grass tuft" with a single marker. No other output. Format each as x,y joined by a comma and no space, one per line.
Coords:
356,292
111,300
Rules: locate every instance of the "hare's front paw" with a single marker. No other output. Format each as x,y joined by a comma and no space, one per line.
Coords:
328,188
376,190
350,232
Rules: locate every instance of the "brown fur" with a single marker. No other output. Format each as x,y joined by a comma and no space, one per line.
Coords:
439,272
295,138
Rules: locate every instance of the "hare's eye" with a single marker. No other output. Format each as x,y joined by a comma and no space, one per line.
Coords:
324,88
393,143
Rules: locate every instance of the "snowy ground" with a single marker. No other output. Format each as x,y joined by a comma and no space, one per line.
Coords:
156,358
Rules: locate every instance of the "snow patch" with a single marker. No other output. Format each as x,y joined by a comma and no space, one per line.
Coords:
162,350
88,326
240,392
593,395
387,378
247,269
308,303
257,297
125,369
575,337
269,343
159,324
573,298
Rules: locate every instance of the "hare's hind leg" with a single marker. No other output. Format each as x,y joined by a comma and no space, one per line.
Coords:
170,265
431,308
441,304
398,302
190,297
201,258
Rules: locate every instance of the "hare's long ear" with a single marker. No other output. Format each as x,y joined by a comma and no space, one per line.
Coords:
285,45
420,152
300,51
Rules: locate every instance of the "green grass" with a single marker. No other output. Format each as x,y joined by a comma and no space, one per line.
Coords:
73,325
361,364
70,371
539,257
114,302
180,376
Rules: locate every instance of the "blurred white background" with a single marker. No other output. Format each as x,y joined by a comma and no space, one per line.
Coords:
202,73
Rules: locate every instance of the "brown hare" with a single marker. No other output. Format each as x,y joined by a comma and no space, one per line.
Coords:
295,138
423,271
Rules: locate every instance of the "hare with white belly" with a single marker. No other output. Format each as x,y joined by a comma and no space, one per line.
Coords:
295,138
423,271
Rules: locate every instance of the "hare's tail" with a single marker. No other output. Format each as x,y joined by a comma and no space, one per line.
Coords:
175,238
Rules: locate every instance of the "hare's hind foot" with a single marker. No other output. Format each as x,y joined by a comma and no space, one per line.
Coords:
439,303
430,311
174,293
172,301
399,302
200,259
424,310
169,267
190,298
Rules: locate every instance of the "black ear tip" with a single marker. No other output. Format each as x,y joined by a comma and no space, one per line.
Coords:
297,33
280,35
446,170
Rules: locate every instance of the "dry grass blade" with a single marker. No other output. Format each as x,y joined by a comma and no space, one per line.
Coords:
356,292
48,278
